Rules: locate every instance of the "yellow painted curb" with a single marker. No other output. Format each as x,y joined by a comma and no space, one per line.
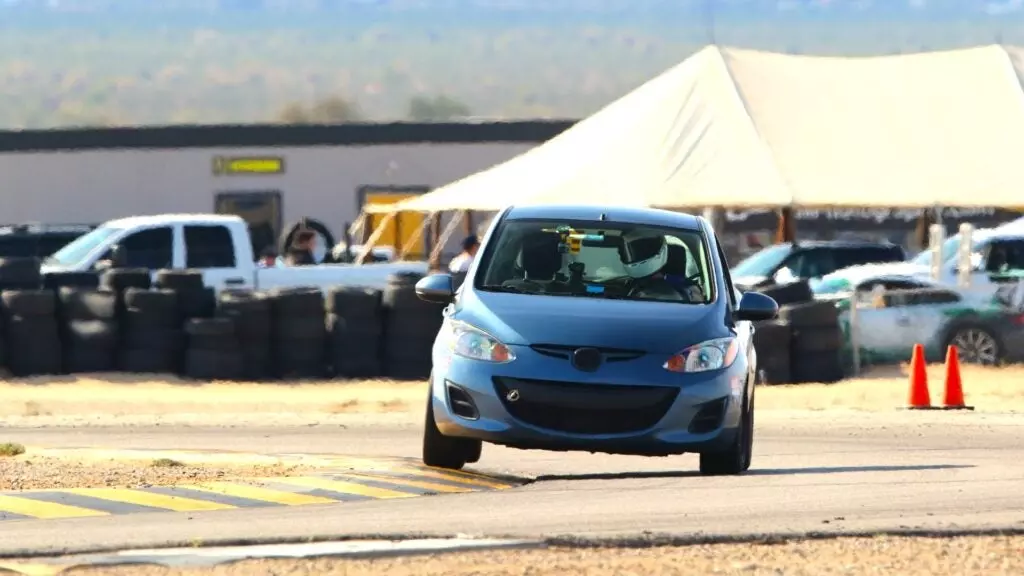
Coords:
338,479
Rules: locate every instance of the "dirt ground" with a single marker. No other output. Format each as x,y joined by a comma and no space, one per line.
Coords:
965,556
124,399
33,472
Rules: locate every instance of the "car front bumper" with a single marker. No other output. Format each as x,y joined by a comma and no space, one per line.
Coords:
629,407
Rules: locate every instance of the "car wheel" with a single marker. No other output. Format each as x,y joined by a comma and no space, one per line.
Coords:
976,345
737,457
440,451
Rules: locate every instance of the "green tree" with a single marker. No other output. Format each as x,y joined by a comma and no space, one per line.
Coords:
436,109
331,110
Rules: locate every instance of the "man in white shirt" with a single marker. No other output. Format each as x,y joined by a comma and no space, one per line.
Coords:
461,262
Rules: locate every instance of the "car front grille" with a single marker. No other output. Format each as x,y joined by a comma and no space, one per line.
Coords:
584,408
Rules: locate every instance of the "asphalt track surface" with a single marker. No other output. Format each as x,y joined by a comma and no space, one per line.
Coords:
812,472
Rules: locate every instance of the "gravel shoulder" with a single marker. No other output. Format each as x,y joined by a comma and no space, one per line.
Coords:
120,399
960,556
32,471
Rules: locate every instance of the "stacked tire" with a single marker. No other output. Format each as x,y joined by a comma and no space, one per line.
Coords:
16,274
299,331
213,351
410,328
89,329
20,273
31,332
57,280
798,292
250,312
772,341
151,336
195,300
817,341
355,328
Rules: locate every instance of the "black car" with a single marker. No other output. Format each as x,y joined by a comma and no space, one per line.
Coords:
38,240
786,262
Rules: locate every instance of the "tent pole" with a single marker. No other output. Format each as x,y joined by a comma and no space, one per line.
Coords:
786,231
435,238
435,254
467,221
370,242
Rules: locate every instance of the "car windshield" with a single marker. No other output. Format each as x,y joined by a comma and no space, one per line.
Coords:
81,247
763,262
949,250
598,260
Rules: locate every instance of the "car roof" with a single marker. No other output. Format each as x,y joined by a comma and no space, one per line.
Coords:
629,215
844,244
157,219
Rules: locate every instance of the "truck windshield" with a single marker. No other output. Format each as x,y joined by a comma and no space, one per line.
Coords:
81,247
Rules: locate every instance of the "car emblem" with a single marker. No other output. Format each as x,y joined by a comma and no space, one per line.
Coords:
586,359
512,396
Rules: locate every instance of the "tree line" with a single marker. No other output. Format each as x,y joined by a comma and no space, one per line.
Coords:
335,109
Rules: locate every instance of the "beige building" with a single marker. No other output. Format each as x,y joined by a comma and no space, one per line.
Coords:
271,175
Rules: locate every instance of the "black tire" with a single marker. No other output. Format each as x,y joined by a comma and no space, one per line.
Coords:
213,364
798,292
20,273
180,280
968,356
38,302
440,451
288,235
201,303
121,279
92,334
83,360
146,361
818,368
86,304
810,314
736,459
298,301
354,302
816,340
57,280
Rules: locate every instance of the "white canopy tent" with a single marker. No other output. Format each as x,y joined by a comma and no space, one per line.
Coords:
747,129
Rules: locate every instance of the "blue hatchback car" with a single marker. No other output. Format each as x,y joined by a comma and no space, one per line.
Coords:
598,329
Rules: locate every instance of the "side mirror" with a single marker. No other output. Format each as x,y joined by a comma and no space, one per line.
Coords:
755,306
436,288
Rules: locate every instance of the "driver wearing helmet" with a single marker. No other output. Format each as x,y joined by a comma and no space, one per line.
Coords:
645,257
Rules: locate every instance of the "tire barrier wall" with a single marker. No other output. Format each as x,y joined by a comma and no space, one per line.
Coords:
129,320
804,344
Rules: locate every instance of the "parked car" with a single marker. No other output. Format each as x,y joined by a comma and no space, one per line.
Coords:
895,312
786,262
596,329
38,240
218,245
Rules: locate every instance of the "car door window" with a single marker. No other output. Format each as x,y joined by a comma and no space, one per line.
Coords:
1005,256
813,263
151,248
209,246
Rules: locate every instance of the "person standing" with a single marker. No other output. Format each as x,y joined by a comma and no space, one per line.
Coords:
460,264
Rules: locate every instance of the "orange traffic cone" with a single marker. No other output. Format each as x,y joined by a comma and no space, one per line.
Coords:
953,398
919,398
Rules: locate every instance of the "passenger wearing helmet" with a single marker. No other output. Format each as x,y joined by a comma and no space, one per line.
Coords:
645,258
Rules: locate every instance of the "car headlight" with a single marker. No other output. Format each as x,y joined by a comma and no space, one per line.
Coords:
711,355
471,342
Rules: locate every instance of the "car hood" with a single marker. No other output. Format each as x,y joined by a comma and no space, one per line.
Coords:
654,327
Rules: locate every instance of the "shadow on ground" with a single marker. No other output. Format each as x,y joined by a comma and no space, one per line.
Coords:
753,472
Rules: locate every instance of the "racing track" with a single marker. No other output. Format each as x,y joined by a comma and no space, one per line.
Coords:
812,472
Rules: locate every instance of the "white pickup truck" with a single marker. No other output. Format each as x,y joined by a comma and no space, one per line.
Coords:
218,245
